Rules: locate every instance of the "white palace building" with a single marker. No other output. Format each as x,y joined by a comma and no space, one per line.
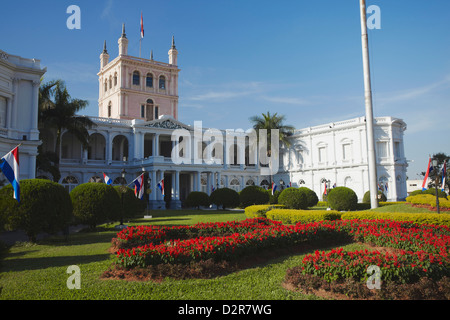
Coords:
138,116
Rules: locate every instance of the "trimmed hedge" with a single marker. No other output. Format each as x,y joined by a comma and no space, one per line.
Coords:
225,198
311,196
95,203
428,199
342,199
131,205
420,218
289,216
45,206
293,198
259,211
381,197
253,195
197,199
432,191
273,199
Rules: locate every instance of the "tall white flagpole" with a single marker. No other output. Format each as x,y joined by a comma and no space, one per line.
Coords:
369,110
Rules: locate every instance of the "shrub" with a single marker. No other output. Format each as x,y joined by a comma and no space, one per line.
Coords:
432,191
342,199
259,211
381,197
428,199
419,218
252,195
273,198
290,216
311,196
95,203
293,198
45,206
131,204
197,199
225,198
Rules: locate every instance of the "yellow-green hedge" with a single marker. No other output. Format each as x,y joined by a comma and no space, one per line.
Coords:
428,199
421,218
259,210
292,216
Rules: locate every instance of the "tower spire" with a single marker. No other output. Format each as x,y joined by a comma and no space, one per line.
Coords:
151,55
123,31
104,47
173,42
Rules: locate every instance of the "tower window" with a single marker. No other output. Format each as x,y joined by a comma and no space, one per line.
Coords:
149,81
162,82
142,111
156,113
109,110
136,79
115,79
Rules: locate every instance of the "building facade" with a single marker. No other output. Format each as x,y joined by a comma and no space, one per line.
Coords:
19,96
138,131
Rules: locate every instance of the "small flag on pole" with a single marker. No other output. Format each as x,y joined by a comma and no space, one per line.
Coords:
139,186
274,188
444,172
161,186
429,168
9,165
325,190
107,179
142,26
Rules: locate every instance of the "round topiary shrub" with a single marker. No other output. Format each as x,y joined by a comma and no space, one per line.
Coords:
131,204
342,199
95,203
225,198
293,198
45,206
197,199
381,197
310,195
253,195
273,198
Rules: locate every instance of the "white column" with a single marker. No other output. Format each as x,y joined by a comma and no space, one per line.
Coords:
154,183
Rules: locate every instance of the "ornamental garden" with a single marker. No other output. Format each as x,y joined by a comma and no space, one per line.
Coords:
405,255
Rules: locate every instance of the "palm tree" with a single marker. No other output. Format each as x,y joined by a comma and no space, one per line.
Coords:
58,111
269,122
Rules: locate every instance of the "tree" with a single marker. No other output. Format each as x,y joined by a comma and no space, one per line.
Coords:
441,158
58,110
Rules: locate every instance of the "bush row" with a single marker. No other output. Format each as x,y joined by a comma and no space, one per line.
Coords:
428,199
419,218
290,216
47,206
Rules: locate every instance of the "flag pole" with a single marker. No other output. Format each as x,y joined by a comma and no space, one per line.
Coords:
369,110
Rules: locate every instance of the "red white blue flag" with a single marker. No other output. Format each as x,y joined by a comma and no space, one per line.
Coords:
161,186
139,186
142,26
9,165
107,179
274,188
325,190
444,172
429,168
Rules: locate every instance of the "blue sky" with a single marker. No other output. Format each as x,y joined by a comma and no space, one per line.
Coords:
239,58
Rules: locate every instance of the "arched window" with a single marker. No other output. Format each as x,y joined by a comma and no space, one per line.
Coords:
162,82
149,110
149,80
96,179
235,185
110,82
109,109
106,85
69,183
115,79
136,78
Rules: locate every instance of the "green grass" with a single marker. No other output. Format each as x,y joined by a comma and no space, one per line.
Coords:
39,271
403,207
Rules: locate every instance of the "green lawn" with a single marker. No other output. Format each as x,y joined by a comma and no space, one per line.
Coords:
39,271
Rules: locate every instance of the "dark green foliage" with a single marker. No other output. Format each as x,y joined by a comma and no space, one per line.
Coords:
310,195
273,199
45,206
225,198
381,197
131,205
95,203
342,199
252,195
293,198
197,199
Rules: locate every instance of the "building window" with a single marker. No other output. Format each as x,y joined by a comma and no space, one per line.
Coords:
106,86
322,154
382,149
142,111
156,113
115,79
346,151
149,80
136,78
2,112
109,110
162,82
110,82
397,152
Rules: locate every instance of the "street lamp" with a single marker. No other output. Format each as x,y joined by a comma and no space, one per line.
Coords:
281,184
123,189
436,181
